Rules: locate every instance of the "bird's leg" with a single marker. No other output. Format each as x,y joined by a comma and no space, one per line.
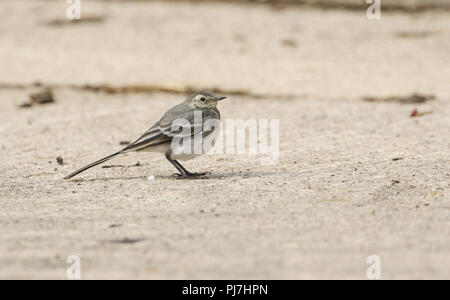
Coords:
183,172
176,165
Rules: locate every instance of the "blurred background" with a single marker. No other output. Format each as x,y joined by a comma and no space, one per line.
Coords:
288,47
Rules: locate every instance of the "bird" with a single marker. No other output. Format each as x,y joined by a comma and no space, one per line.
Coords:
163,137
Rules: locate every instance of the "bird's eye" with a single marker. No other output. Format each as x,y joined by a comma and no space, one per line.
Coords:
202,99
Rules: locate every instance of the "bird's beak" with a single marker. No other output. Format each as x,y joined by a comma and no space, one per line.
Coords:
220,98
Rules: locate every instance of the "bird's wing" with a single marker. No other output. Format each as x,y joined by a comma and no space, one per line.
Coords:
180,121
151,137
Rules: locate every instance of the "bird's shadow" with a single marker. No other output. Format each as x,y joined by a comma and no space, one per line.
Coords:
213,176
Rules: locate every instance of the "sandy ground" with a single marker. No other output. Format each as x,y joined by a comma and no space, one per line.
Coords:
355,178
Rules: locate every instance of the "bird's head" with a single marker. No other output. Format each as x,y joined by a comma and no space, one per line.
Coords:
204,99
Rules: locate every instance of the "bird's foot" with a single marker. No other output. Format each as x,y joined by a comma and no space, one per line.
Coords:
189,175
197,174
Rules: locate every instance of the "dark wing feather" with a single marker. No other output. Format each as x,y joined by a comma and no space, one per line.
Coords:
172,124
162,132
151,137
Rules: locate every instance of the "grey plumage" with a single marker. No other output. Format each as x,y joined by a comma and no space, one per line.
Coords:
158,138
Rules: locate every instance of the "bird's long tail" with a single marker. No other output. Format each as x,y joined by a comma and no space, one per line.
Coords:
92,165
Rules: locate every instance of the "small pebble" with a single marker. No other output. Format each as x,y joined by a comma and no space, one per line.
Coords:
151,177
